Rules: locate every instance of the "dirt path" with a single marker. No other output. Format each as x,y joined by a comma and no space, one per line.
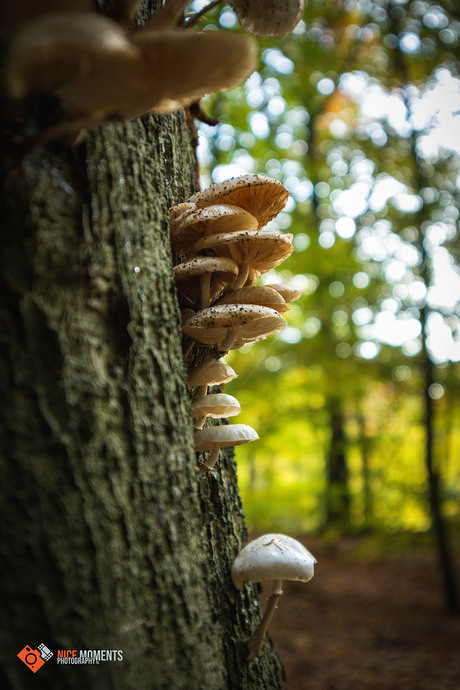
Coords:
378,625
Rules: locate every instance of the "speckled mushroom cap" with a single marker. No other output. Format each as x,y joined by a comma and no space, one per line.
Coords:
273,557
286,292
216,405
268,17
261,250
223,436
211,220
84,58
256,294
178,212
262,196
249,321
214,374
223,272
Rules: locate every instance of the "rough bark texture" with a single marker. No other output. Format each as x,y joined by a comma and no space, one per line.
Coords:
108,538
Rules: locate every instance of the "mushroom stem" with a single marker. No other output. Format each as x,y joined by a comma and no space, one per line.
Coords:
211,461
205,286
256,641
241,277
228,341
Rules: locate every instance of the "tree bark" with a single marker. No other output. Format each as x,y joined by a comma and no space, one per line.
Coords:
109,540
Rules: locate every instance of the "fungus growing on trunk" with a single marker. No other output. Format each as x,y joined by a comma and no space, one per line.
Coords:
215,274
271,558
185,67
268,17
216,405
223,325
261,196
214,374
254,252
216,437
286,292
83,58
98,73
211,220
262,295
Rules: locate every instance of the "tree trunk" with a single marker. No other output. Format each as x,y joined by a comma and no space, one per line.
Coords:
365,448
337,493
109,539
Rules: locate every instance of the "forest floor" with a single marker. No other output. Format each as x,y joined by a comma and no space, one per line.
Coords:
367,623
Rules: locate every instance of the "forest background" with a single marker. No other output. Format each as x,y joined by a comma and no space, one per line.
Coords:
357,113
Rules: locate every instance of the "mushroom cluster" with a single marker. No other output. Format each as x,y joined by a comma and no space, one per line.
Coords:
219,237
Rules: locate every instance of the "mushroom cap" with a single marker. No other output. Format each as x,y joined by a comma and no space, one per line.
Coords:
211,220
268,17
223,272
217,372
262,196
223,436
273,557
286,292
256,294
185,66
251,322
179,211
84,58
261,250
216,405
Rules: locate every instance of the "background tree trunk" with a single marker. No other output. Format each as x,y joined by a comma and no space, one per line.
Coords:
109,540
337,493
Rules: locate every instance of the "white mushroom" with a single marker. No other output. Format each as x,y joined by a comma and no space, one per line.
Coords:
216,437
271,558
216,405
215,373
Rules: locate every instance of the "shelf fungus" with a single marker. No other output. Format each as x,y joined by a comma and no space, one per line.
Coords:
99,74
216,437
268,17
271,558
215,405
203,279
